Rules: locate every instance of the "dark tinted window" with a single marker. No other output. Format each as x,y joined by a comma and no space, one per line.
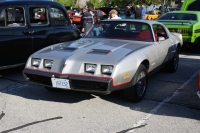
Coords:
12,17
58,16
38,16
121,30
178,16
195,6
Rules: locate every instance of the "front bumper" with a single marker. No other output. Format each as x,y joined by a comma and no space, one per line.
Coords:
78,82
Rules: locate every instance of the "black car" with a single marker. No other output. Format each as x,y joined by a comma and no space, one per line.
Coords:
26,26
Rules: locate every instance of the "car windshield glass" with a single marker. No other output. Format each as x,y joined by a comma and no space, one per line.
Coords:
178,16
121,30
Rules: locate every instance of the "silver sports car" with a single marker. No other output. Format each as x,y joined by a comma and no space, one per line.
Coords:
112,55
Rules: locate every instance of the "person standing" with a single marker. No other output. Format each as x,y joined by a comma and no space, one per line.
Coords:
138,12
113,14
86,20
96,17
128,12
143,11
162,9
132,9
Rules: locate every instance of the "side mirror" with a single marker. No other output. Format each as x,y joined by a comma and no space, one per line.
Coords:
161,39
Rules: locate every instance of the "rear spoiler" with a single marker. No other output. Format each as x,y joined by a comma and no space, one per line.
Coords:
177,22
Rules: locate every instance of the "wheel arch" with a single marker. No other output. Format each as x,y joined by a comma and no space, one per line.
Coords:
178,46
145,63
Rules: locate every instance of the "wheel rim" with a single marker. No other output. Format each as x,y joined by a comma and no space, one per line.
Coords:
176,60
141,84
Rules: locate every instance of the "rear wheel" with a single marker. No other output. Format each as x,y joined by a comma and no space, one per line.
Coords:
196,47
52,89
172,66
138,85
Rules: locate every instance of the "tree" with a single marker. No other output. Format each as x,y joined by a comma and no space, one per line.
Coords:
97,3
94,3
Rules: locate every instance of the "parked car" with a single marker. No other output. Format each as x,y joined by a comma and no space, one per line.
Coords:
185,22
113,55
198,82
190,5
26,27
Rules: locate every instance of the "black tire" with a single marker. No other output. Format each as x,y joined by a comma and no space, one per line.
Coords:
172,66
196,47
52,89
138,85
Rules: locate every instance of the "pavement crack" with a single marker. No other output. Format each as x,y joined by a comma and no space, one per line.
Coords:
132,129
29,124
175,103
173,82
2,115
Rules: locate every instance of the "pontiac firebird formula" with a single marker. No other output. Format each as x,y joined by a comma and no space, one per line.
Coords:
112,55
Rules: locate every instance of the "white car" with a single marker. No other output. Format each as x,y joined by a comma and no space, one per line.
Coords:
113,55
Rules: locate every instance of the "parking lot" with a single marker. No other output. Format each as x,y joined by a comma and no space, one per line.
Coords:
170,105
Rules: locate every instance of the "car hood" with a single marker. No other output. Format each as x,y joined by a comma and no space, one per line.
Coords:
91,50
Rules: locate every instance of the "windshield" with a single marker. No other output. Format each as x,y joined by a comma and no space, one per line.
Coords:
178,16
121,30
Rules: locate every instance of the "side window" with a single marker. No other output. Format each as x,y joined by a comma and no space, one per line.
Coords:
58,17
38,16
195,6
159,31
12,17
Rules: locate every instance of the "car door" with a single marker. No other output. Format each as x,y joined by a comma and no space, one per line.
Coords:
40,27
163,47
63,30
15,44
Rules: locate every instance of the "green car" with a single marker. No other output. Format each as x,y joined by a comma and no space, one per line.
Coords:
185,22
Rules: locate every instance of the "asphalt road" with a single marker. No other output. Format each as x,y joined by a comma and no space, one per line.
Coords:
170,106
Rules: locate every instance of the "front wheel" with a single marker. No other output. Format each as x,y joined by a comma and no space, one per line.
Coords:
138,85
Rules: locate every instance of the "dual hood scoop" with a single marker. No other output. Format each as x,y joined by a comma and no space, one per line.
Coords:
68,49
99,51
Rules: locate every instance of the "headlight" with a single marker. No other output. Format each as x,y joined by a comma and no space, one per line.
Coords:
90,68
48,63
35,62
106,69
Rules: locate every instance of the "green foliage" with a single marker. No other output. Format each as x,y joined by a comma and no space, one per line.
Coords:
124,3
67,2
119,3
97,3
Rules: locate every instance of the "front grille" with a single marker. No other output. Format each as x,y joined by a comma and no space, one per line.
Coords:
89,85
39,79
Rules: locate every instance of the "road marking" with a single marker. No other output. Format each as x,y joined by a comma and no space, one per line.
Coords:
156,108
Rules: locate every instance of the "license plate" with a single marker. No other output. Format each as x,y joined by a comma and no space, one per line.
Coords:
60,83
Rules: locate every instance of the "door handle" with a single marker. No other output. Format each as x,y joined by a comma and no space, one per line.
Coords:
28,32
